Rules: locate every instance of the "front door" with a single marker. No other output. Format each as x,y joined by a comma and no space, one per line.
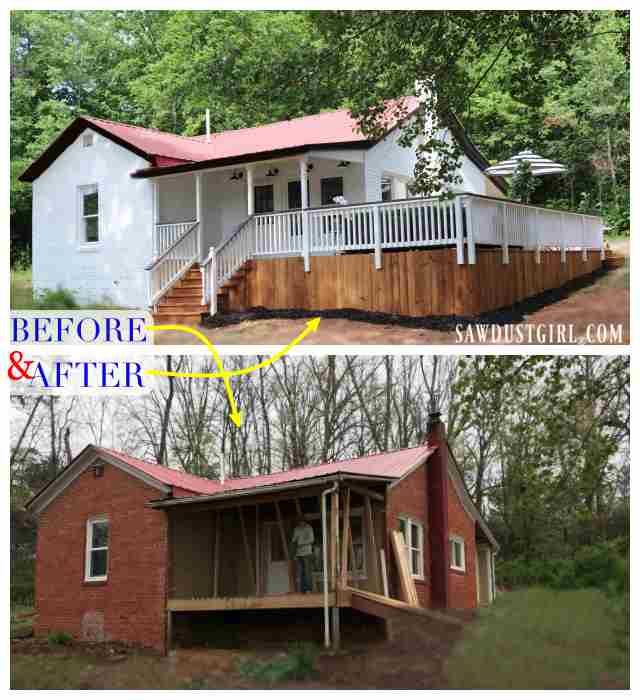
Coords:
277,563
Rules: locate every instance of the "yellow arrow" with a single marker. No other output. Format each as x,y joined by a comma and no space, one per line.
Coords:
222,373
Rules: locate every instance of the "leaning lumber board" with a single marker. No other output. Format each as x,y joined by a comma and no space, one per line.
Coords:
407,586
385,607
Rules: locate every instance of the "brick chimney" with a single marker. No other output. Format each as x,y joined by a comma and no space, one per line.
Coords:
437,508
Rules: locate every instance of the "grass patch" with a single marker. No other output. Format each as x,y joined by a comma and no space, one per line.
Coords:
299,663
22,296
20,620
543,639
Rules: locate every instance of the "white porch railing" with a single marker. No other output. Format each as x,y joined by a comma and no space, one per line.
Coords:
167,234
173,263
466,220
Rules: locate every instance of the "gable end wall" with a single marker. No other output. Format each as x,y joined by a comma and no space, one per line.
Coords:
130,606
409,497
462,586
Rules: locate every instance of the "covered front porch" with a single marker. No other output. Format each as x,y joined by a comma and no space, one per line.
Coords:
236,554
221,199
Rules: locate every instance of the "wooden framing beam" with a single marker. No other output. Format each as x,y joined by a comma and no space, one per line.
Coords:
216,560
373,495
346,535
266,602
247,549
258,550
372,551
285,547
298,507
334,533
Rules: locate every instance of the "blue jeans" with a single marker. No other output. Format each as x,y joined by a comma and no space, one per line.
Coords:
303,574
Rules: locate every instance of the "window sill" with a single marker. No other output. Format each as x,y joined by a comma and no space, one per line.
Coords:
101,582
89,247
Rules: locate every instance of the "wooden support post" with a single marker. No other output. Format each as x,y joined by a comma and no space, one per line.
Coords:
377,256
335,627
346,532
538,247
383,569
304,199
200,214
285,548
216,560
584,240
563,242
333,549
258,548
471,224
372,551
213,282
247,549
457,208
250,192
169,630
298,508
505,235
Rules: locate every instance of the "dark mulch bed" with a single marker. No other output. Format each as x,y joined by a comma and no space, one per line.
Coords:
505,316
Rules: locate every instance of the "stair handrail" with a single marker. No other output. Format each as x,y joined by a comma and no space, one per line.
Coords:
176,243
212,280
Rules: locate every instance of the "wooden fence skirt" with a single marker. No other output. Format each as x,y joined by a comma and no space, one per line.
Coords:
410,283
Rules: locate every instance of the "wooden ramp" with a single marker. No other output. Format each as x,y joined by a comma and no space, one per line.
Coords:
381,606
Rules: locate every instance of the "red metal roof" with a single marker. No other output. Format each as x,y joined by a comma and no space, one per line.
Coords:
391,465
164,150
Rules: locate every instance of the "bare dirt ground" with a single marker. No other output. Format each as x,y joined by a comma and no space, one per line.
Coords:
413,659
591,312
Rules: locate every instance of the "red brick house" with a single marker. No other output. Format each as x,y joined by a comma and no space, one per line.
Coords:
124,546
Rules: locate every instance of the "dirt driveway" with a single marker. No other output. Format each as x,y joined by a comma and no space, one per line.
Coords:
596,314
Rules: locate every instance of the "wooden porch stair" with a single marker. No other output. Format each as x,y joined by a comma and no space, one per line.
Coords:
183,302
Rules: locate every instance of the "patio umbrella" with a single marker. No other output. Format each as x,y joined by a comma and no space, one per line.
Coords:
539,165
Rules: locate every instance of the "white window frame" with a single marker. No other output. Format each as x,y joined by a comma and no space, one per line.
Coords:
89,549
87,139
453,540
82,237
410,546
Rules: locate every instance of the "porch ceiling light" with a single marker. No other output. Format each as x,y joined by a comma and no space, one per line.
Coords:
344,164
237,175
272,172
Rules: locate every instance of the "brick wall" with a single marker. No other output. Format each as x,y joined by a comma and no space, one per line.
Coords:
130,605
409,497
462,586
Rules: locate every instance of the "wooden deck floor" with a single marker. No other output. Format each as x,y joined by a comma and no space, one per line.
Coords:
267,602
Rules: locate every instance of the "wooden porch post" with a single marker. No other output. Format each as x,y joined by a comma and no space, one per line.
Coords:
258,572
216,557
471,226
285,547
457,208
335,535
199,214
563,243
304,194
250,193
584,245
505,235
155,216
377,256
247,549
346,532
538,236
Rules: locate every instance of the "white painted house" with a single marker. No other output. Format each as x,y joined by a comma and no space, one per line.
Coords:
122,213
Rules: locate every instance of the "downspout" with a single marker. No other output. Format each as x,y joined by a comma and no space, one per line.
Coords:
325,567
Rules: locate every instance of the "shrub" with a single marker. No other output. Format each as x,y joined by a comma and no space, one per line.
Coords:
59,638
56,299
604,565
297,664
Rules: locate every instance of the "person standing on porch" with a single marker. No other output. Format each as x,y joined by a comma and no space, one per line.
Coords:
302,545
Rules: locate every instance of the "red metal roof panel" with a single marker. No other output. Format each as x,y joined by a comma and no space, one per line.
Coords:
392,465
